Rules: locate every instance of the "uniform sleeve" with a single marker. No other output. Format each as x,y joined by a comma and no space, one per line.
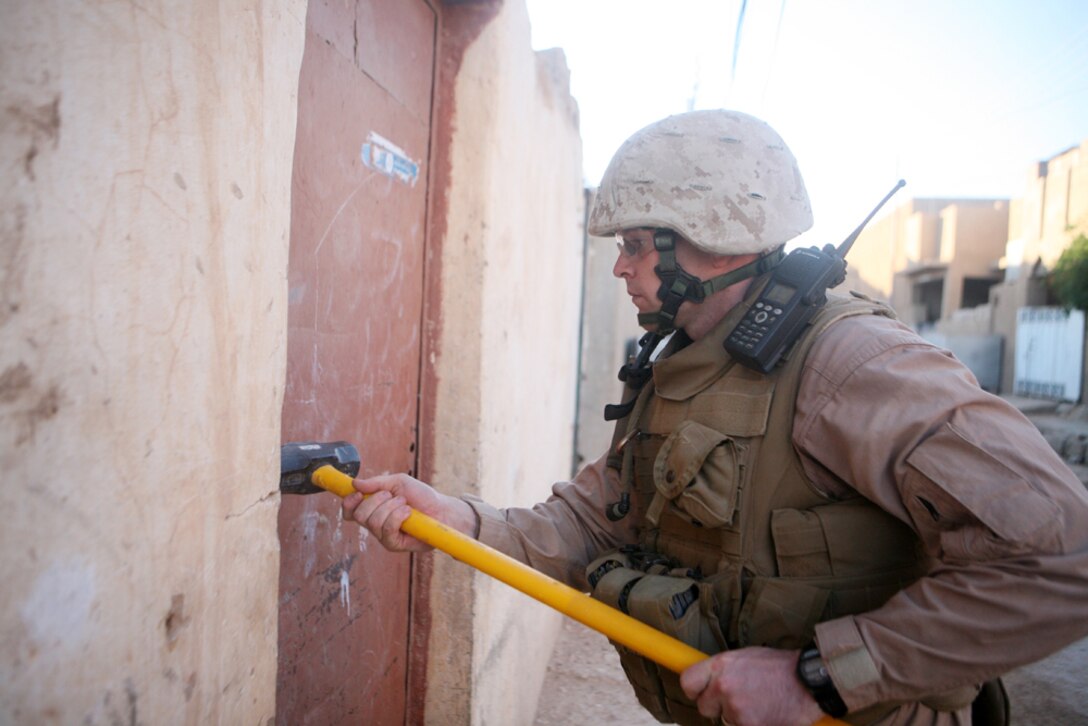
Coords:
886,414
563,534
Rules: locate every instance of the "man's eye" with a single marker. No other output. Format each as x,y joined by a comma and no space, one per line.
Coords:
629,247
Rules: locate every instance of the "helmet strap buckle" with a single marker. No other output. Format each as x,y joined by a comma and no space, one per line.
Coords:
678,285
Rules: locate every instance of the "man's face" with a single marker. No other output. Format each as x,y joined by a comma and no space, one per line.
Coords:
636,262
635,266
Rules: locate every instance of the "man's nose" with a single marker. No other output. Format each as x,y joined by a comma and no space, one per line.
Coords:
624,266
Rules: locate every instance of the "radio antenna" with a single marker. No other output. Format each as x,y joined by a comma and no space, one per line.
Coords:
849,241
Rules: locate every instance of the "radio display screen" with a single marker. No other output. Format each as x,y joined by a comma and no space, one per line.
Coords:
779,294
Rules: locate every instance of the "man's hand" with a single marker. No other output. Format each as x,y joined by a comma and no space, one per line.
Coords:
390,501
750,687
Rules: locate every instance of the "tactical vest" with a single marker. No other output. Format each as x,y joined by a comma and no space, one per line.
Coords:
735,547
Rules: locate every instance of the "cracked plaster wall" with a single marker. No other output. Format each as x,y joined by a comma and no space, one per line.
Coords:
144,207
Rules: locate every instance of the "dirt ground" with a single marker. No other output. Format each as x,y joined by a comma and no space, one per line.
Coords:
585,685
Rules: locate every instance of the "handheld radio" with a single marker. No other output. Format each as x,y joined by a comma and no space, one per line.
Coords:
797,289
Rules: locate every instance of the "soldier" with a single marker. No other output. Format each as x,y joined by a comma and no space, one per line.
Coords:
862,531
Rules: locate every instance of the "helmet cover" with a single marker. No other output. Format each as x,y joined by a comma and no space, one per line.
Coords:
723,180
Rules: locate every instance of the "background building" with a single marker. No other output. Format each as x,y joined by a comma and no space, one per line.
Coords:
1053,212
960,270
931,257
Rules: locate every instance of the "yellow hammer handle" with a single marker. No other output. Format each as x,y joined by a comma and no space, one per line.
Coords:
617,626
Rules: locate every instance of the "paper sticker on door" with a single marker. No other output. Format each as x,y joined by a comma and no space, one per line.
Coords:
383,155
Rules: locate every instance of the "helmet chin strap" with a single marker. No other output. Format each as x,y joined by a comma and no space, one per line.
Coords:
678,285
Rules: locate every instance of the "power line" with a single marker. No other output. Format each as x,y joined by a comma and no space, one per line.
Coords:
774,55
736,41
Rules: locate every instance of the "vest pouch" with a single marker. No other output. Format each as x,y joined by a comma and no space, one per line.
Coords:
677,605
699,470
843,539
780,613
682,607
858,553
611,579
672,605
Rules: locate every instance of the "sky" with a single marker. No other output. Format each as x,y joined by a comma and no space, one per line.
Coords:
958,97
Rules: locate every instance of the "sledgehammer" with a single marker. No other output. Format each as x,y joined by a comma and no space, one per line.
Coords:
310,467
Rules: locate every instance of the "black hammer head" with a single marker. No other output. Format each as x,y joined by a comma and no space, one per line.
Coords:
299,460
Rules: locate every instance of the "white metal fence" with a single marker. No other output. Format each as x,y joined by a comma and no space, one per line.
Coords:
1049,353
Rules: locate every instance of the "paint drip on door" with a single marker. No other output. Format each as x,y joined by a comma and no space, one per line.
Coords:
383,155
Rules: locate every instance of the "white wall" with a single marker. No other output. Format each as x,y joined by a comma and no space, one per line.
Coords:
146,153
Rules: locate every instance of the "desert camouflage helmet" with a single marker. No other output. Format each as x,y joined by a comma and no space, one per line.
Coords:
724,180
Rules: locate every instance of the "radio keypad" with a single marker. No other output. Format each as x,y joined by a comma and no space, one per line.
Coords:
756,324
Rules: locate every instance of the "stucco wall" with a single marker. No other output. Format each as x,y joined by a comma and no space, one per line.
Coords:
505,365
146,154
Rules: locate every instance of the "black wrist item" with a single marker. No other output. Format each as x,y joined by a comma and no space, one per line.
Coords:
813,674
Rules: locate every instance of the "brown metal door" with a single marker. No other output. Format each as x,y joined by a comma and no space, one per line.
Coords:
353,348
